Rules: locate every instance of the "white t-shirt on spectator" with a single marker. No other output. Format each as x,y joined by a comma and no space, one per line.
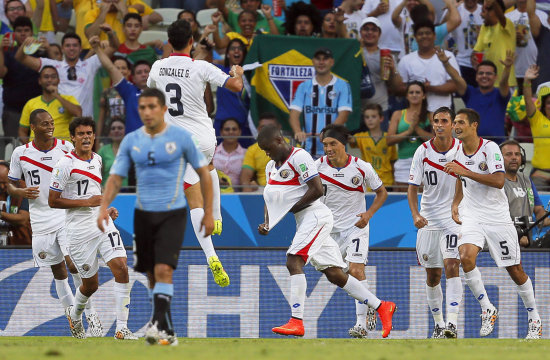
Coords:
465,35
391,37
353,22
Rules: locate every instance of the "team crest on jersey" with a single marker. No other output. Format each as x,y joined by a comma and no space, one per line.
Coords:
170,147
384,151
425,257
356,180
332,95
55,185
85,267
483,166
284,173
61,110
42,255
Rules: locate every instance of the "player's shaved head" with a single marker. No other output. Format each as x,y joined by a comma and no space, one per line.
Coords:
33,118
268,133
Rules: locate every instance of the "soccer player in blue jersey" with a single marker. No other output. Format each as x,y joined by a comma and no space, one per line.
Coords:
160,152
325,99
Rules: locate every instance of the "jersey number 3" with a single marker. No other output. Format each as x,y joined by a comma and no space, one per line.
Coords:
176,99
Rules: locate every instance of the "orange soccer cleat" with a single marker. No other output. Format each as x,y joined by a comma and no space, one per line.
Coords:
385,311
292,327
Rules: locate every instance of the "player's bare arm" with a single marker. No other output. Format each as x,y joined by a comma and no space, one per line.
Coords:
381,194
114,183
495,180
263,228
29,61
314,192
26,192
235,82
207,194
57,202
412,197
456,201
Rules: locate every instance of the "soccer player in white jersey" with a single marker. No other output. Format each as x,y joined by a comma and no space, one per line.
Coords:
293,185
436,240
485,219
34,162
183,81
345,180
75,185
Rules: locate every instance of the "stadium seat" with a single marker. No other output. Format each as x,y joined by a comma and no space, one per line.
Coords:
150,35
169,15
204,16
8,151
529,151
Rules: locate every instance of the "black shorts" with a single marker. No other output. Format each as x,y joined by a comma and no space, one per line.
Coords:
158,238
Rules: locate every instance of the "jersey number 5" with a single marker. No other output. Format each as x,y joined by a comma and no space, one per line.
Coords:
176,99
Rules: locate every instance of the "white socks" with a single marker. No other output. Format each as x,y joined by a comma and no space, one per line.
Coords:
64,292
435,302
357,290
527,294
298,286
205,242
79,304
77,282
453,294
473,279
361,308
122,300
216,200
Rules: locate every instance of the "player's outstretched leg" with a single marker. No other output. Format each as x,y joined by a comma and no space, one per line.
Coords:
94,324
489,313
434,295
295,326
453,296
216,202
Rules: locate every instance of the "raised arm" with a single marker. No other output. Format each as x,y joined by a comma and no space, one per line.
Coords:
396,14
235,82
266,10
453,17
531,74
534,21
29,61
503,86
221,43
37,13
459,82
95,27
223,9
114,73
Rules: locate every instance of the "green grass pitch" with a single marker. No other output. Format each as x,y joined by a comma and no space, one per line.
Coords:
27,348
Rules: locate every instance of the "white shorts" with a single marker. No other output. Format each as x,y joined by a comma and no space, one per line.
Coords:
353,244
402,170
49,249
435,245
312,240
84,253
207,148
502,240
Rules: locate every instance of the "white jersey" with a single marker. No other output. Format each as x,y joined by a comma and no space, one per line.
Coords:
36,166
466,33
353,22
439,187
287,184
344,189
482,203
391,37
79,179
183,80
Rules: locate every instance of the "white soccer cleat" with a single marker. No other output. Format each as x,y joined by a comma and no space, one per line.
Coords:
125,334
488,319
439,332
167,340
371,319
358,332
94,326
535,330
77,329
152,333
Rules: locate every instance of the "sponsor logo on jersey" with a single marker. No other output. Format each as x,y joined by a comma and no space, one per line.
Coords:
284,173
337,175
55,185
303,167
497,157
411,177
286,78
442,160
356,180
506,257
46,158
170,147
498,166
483,166
136,148
91,167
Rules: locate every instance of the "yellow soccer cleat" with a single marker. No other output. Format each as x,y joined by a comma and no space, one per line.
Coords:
220,276
217,227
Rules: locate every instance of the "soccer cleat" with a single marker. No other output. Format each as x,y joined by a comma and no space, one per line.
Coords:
166,339
217,227
450,331
152,333
386,311
94,326
535,330
292,327
220,276
358,332
438,332
125,334
488,320
77,329
371,319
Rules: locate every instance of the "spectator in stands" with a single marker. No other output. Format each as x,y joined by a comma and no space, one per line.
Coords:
255,159
496,29
487,100
450,22
353,15
112,107
16,8
303,20
191,18
229,154
391,38
333,25
423,65
264,22
539,120
20,83
370,32
108,152
325,99
15,220
62,107
247,22
409,128
64,11
129,91
465,38
54,52
527,21
402,20
284,4
373,145
76,76
46,24
193,5
131,47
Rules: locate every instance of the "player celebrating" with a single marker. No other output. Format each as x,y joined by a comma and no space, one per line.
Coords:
345,179
160,152
75,185
294,186
436,241
486,220
183,80
34,162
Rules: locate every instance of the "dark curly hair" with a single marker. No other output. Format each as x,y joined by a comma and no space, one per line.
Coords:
301,8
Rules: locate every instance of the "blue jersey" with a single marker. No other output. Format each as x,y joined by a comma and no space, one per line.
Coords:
130,94
320,105
160,163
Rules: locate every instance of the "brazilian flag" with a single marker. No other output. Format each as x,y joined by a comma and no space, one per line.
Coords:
281,63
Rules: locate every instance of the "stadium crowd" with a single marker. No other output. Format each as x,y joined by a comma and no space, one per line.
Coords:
418,55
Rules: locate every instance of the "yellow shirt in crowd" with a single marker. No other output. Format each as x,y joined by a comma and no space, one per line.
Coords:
540,128
378,154
61,117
